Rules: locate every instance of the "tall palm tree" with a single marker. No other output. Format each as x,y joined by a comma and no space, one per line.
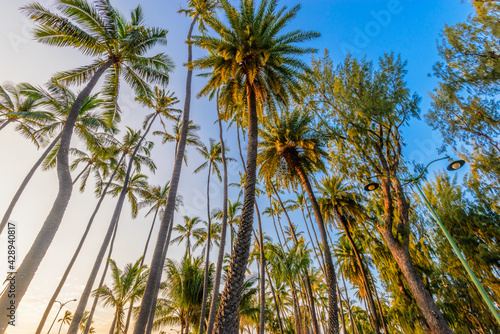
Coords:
339,201
199,10
56,101
250,58
65,320
118,47
125,149
213,157
128,284
186,231
15,107
233,217
291,151
192,138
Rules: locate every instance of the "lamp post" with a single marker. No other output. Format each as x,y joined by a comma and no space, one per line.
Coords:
60,308
454,165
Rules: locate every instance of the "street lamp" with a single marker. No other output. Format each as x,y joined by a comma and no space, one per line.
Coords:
454,165
60,308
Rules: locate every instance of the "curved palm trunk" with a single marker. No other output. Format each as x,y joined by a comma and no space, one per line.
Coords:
333,311
207,255
131,307
35,255
371,303
77,251
158,261
222,246
310,295
227,315
25,182
81,173
77,317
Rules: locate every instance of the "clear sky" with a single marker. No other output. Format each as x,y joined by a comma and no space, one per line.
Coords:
362,27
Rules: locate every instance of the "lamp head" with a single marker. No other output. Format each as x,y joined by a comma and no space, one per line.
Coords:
454,165
371,186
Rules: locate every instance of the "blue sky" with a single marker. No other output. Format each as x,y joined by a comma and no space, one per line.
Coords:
362,27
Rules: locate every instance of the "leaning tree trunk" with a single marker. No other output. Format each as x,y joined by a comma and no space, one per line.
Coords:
35,255
77,317
333,310
207,256
25,182
222,245
227,315
366,283
77,251
158,261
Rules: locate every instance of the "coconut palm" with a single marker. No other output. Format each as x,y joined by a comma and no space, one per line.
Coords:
192,138
233,217
250,58
56,101
65,320
290,151
186,231
22,110
118,47
128,284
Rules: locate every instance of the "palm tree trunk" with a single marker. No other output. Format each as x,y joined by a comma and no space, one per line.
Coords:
310,295
354,325
341,311
227,315
158,261
77,251
333,311
113,324
35,255
278,312
4,124
131,307
371,303
81,173
25,182
296,310
207,255
77,317
60,327
262,274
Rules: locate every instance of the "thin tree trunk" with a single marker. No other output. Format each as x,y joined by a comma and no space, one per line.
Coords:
371,303
77,317
381,313
60,327
296,311
152,286
227,315
77,251
207,255
4,124
354,325
333,319
344,330
113,324
25,182
222,246
81,173
278,312
262,274
35,255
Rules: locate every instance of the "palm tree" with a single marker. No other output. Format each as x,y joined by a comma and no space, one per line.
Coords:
213,156
125,149
290,150
199,10
186,231
128,284
250,58
118,47
56,101
192,138
66,319
233,217
15,107
339,201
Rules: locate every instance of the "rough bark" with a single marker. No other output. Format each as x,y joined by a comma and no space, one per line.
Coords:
227,315
158,261
35,255
77,251
262,280
25,182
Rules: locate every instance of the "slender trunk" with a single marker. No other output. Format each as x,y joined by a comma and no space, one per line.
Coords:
77,317
101,283
148,303
262,274
25,182
305,272
54,321
333,318
354,325
81,173
131,307
222,246
207,255
344,330
35,255
227,315
296,311
77,251
321,261
4,124
60,327
381,313
278,312
371,303
113,325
